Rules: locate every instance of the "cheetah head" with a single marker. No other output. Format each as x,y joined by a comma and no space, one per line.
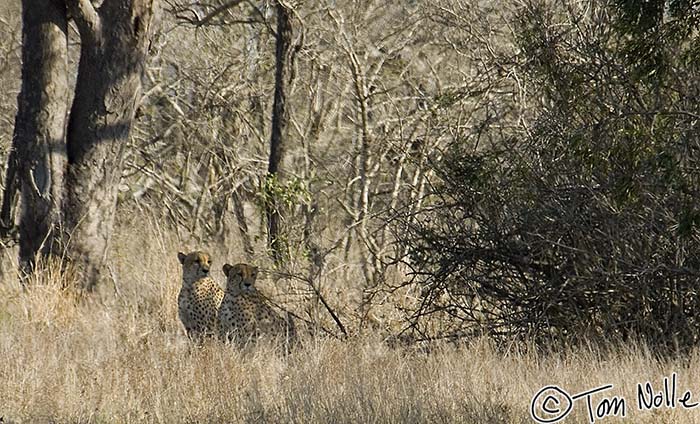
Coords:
195,265
240,278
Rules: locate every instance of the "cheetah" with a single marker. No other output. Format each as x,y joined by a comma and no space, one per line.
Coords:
200,296
245,313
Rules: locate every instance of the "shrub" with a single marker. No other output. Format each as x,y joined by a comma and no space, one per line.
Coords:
587,222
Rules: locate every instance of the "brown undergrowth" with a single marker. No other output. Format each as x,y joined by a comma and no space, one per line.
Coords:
121,356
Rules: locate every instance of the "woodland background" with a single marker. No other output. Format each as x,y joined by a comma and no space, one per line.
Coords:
461,182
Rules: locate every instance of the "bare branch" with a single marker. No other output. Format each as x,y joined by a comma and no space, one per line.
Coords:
85,15
257,11
204,20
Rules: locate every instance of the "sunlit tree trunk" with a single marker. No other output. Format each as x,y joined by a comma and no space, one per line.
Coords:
114,44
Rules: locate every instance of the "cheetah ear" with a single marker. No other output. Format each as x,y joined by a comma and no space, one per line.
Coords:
181,256
227,269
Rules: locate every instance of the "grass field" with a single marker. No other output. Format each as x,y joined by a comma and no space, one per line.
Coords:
121,356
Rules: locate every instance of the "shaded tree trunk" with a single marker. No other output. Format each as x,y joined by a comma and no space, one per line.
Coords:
114,44
280,119
37,162
10,194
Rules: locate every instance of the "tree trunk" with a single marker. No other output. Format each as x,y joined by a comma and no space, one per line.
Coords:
280,119
9,195
114,43
362,208
239,212
38,159
252,47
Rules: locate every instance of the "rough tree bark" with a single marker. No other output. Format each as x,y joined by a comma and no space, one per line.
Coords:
114,43
10,194
37,162
280,120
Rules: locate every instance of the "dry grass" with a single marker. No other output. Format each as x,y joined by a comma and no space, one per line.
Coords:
122,357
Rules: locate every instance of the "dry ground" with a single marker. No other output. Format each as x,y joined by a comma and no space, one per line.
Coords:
122,357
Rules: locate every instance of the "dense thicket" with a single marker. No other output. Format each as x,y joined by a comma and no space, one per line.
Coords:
586,223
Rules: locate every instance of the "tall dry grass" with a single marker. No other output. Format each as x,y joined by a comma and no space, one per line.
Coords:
121,356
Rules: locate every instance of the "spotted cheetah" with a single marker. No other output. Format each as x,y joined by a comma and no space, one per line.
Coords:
245,313
200,296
